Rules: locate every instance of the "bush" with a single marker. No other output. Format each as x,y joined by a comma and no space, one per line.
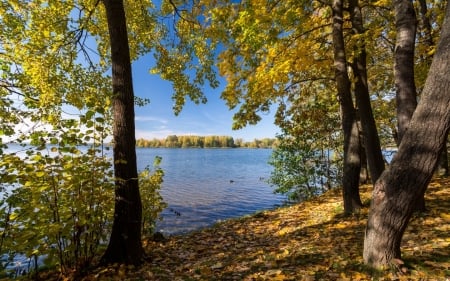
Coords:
152,201
301,169
60,208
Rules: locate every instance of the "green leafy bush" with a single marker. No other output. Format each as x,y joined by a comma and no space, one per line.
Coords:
57,194
61,206
152,201
303,170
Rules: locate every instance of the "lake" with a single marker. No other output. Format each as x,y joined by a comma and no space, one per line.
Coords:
203,186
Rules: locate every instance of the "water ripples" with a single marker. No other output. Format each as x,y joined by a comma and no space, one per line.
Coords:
203,186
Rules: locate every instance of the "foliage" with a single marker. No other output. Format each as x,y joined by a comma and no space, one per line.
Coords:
307,160
302,170
174,141
57,188
60,209
185,56
56,205
268,48
152,201
54,61
55,100
306,241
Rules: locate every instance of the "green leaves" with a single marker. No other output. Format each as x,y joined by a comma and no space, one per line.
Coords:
152,201
62,199
55,96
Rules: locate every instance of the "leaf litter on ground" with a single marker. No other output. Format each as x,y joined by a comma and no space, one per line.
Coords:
307,241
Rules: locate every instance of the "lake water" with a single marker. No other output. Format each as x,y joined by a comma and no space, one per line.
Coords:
203,186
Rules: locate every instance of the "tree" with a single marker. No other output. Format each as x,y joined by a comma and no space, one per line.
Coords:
370,139
426,34
406,96
352,161
55,105
307,160
125,245
46,62
406,179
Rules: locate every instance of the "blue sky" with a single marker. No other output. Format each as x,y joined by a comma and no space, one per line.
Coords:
157,120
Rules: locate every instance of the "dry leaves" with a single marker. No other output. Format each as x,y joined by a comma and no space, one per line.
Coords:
308,241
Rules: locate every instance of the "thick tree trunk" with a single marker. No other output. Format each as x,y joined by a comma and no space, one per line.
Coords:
406,96
411,169
352,161
125,244
369,128
427,38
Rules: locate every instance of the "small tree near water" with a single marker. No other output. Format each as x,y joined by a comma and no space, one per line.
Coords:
152,201
302,170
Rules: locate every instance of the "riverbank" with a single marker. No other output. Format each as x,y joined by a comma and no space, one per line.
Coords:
308,241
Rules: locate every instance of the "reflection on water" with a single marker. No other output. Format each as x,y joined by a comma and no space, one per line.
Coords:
203,186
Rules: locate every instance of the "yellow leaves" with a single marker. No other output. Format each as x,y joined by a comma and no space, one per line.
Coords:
442,265
283,255
306,242
273,274
382,3
445,216
341,225
13,216
285,230
216,266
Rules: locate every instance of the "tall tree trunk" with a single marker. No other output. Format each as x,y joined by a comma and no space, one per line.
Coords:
442,167
405,86
406,94
406,179
426,25
364,172
125,244
369,127
352,161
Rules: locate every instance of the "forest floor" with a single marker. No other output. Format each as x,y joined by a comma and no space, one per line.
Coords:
307,241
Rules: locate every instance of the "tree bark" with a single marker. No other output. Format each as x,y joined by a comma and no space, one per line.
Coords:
352,161
369,127
426,31
411,169
442,167
406,95
125,244
364,172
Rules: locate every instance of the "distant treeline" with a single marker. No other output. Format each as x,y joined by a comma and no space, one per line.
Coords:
174,141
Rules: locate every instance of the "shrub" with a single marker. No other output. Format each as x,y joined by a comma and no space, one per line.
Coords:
152,201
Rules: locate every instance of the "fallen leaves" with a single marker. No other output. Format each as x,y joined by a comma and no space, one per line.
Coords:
309,241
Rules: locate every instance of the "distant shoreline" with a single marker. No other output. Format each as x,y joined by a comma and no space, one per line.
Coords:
191,141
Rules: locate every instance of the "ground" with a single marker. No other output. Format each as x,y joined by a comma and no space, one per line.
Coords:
308,241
